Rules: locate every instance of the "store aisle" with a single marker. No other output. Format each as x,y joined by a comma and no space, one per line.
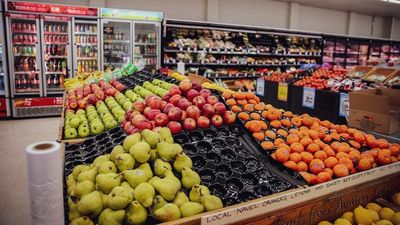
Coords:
15,135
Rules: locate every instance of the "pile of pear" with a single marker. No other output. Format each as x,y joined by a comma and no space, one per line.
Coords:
136,181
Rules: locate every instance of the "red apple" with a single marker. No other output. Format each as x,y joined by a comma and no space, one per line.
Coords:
219,108
174,99
132,130
92,99
127,125
99,94
167,107
185,85
207,110
217,121
166,97
144,125
120,87
73,104
136,119
199,101
175,114
229,117
174,127
114,82
193,112
175,91
82,104
212,99
184,116
154,102
183,103
110,91
161,119
152,114
146,110
203,122
205,93
189,124
196,86
139,106
102,83
87,91
163,104
191,94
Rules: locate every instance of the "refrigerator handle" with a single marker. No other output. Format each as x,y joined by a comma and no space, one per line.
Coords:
41,70
11,63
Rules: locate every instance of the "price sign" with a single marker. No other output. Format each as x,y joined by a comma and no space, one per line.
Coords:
282,91
308,97
260,86
344,105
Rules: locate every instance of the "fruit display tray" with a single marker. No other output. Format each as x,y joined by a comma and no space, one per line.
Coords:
228,165
140,77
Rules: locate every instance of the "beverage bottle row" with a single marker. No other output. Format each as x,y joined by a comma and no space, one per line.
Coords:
56,28
87,66
150,50
87,51
149,37
25,64
55,81
86,28
24,50
116,47
56,38
24,27
56,50
150,61
92,39
25,81
56,65
115,36
25,38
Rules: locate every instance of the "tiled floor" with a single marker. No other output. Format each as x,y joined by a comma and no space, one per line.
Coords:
15,135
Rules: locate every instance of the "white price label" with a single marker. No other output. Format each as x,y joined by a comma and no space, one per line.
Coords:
260,86
344,104
309,97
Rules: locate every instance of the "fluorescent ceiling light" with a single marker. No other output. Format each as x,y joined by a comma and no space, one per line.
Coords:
392,1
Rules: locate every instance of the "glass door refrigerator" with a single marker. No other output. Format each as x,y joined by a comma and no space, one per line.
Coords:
145,48
5,110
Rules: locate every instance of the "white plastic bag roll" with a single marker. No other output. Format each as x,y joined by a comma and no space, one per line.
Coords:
45,177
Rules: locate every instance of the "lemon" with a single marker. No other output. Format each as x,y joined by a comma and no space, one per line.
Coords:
374,215
373,206
324,223
349,216
384,222
396,218
386,213
341,221
362,216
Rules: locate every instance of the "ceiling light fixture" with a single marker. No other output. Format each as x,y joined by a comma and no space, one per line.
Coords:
392,1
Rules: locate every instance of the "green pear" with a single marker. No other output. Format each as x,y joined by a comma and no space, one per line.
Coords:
160,167
136,214
104,199
158,202
166,187
189,178
168,212
153,155
153,179
78,169
130,190
84,220
144,193
118,149
83,188
71,182
91,204
151,137
106,182
180,198
107,167
177,147
198,191
130,140
147,170
118,198
182,160
165,135
73,212
88,175
169,174
166,151
100,159
211,202
135,177
140,151
124,161
191,208
111,217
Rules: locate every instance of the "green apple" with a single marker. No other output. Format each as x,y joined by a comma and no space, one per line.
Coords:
96,127
110,124
129,93
83,131
80,112
75,121
127,105
71,133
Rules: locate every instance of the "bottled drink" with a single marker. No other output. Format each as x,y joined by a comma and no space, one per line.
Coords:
17,83
79,66
49,83
24,82
59,68
33,27
87,51
56,81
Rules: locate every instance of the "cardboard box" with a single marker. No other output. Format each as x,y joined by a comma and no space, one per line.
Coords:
376,110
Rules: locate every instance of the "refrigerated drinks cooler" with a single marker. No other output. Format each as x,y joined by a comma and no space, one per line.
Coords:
130,36
5,110
40,38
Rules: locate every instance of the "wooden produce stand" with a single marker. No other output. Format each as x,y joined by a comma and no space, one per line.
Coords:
364,69
387,72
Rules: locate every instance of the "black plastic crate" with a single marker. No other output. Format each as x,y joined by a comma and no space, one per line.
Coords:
271,95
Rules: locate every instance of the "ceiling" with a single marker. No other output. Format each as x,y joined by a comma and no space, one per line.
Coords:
372,7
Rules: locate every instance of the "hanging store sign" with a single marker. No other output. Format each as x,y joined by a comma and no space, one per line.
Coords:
53,9
283,91
131,14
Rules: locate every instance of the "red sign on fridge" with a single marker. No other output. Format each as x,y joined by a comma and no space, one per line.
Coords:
34,102
53,9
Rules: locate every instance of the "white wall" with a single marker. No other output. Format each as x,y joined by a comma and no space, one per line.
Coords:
396,29
362,25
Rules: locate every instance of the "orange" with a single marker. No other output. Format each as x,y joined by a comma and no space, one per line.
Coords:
270,134
306,157
293,131
394,149
288,114
308,177
352,171
320,143
312,148
344,135
304,128
320,155
347,162
340,170
313,134
290,164
295,157
302,166
231,102
259,136
250,95
342,129
286,123
328,138
264,113
340,155
323,177
243,116
278,141
268,106
330,162
382,143
296,121
325,123
292,138
273,114
226,94
394,159
364,164
306,141
343,147
359,137
257,99
365,155
255,116
297,147
303,134
282,132
355,155
285,146
335,145
239,95
275,123
282,155
267,145
242,102
273,155
236,109
253,101
374,152
384,156
316,166
371,141
329,171
308,121
355,144
248,107
259,106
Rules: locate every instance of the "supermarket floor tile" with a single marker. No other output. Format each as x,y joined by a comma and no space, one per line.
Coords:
15,135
